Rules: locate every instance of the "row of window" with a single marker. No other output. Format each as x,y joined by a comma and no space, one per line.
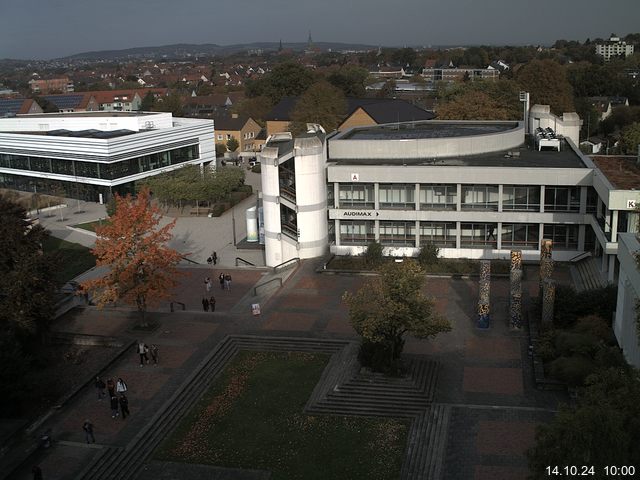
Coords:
106,171
524,236
473,197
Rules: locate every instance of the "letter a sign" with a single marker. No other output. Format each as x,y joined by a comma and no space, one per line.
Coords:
355,177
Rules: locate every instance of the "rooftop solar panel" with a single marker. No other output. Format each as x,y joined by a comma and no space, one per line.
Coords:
10,105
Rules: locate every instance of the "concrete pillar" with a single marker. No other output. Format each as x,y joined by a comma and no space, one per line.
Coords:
614,226
376,192
582,232
583,200
458,235
459,198
337,232
417,242
499,236
541,200
417,197
612,269
500,193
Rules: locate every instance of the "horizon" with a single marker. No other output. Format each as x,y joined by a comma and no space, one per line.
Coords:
43,31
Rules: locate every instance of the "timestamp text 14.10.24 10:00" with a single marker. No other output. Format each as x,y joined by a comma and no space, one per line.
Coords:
588,470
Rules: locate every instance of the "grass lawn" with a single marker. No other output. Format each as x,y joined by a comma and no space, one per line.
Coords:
252,418
91,226
74,259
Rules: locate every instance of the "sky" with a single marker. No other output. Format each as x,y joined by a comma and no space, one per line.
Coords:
45,29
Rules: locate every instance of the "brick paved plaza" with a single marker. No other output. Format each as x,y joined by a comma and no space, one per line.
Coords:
485,376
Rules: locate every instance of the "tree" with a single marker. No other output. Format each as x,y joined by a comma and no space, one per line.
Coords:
604,428
171,103
322,103
388,307
142,269
428,254
220,150
148,102
350,79
373,255
27,276
546,81
481,100
631,138
388,90
232,144
255,107
286,79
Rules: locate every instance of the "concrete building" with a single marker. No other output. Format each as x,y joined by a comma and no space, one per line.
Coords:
474,189
625,325
614,47
51,85
90,155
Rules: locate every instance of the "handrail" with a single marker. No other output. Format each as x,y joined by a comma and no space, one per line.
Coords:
255,290
246,262
189,260
580,256
285,264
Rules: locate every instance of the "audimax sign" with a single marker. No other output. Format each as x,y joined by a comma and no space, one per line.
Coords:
359,213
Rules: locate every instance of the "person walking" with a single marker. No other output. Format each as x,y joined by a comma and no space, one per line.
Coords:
214,257
207,284
114,407
212,303
205,304
227,281
142,351
121,386
154,353
221,278
124,405
111,386
100,386
88,431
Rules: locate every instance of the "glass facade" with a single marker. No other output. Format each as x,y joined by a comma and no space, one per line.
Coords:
101,170
480,197
565,237
562,199
398,233
358,195
523,236
478,235
440,234
521,198
438,197
356,232
397,195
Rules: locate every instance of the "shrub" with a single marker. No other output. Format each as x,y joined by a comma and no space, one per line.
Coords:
545,347
256,168
570,305
568,343
373,255
428,254
594,325
611,356
572,370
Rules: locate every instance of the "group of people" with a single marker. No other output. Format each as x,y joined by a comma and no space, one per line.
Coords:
209,303
213,259
144,350
118,401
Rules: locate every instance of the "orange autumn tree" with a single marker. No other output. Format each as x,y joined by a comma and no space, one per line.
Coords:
142,269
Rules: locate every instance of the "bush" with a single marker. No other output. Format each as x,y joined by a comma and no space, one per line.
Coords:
595,325
610,357
373,255
377,356
428,254
572,370
568,343
256,168
570,305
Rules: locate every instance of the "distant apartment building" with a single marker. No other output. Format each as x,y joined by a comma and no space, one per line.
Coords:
613,48
51,85
244,129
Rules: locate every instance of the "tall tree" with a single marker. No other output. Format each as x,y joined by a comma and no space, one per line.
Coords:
232,144
388,307
481,100
546,81
630,137
350,79
172,103
142,269
322,103
286,79
148,102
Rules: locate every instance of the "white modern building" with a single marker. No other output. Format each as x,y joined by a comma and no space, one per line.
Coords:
91,155
474,189
613,48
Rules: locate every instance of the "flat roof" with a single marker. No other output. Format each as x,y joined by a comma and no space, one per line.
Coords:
101,113
522,157
623,172
429,129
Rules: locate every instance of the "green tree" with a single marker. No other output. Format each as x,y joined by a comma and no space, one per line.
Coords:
604,428
27,285
148,102
322,103
255,107
481,100
220,150
546,81
172,103
388,90
232,144
351,79
286,79
630,137
428,254
388,307
373,255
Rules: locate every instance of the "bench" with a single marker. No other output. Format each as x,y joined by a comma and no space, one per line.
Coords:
199,211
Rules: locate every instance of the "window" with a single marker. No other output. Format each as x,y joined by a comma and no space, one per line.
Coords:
562,199
565,237
440,234
521,198
219,136
438,197
63,167
228,136
356,195
353,232
330,196
592,200
478,235
86,169
520,235
398,233
480,197
398,196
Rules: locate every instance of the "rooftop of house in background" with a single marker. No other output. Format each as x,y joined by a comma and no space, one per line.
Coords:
17,106
623,172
